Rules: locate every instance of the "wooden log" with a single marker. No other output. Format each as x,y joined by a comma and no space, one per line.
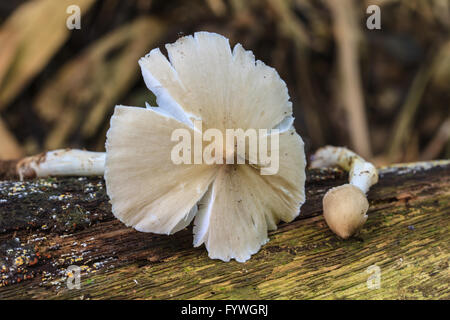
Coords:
47,225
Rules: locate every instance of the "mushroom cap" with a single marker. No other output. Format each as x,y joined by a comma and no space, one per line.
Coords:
204,79
344,210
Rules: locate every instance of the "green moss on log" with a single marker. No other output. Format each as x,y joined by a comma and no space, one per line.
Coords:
406,236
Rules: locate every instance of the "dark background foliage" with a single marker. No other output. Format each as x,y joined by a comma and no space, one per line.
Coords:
384,93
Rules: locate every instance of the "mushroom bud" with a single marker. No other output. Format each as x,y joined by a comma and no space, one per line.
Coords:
344,210
345,207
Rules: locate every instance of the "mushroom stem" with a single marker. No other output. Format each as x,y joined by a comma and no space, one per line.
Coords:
62,162
345,207
362,174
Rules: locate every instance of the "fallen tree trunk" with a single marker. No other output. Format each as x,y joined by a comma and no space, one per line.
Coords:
47,225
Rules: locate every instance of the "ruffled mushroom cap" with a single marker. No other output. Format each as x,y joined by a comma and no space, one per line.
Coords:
226,89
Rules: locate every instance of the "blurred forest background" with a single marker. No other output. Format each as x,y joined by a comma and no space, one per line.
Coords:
384,93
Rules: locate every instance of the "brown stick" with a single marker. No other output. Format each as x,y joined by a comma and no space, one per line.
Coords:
347,38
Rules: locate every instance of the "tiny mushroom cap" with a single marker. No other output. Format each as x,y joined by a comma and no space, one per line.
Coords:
344,210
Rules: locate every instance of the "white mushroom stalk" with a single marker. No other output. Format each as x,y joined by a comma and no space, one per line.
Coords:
62,162
345,207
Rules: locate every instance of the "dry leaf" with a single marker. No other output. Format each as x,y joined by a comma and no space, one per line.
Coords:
88,87
31,36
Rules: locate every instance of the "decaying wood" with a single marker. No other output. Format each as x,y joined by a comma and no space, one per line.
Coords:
46,225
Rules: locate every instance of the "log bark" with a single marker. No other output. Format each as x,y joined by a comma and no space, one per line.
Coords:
47,225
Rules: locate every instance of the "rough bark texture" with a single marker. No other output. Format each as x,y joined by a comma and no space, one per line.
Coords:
46,225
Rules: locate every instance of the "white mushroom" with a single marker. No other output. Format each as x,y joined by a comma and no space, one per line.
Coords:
233,205
226,89
345,207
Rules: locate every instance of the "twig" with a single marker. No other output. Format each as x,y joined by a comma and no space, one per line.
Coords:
437,144
290,24
403,123
347,38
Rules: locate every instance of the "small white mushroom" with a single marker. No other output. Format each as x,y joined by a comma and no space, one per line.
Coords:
345,207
